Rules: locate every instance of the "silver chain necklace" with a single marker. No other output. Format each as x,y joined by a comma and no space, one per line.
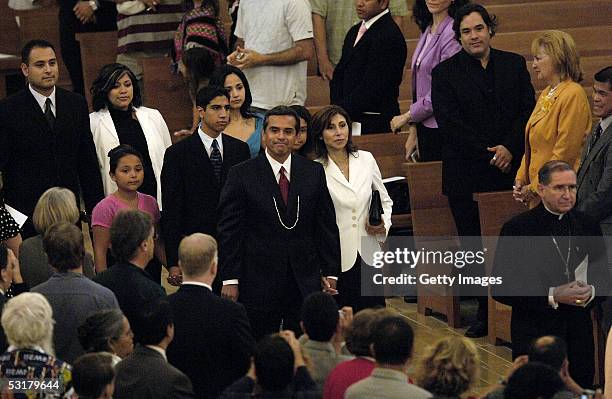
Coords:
297,216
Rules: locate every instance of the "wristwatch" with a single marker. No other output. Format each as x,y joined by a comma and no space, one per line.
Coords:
93,4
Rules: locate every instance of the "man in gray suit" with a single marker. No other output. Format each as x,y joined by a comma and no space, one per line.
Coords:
594,195
392,348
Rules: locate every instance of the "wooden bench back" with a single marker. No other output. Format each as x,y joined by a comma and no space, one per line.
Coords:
97,49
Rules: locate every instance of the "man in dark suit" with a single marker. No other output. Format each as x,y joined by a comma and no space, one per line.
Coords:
45,140
132,244
277,230
482,99
552,262
77,16
595,174
146,373
194,172
208,330
367,78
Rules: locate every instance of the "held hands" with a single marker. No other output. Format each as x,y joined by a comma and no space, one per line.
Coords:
576,293
522,193
175,276
399,121
328,285
245,58
502,158
230,292
375,230
83,12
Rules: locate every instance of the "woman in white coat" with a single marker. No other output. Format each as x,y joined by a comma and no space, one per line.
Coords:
120,118
351,176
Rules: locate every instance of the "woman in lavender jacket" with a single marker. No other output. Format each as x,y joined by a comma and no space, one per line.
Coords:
437,43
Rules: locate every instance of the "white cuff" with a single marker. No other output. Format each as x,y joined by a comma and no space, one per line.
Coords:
551,298
231,282
332,277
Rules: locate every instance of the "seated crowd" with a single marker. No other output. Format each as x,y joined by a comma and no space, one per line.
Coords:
267,217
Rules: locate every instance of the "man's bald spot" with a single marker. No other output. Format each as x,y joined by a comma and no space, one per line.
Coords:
196,254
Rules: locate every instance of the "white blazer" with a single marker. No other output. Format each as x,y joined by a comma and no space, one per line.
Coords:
352,203
105,139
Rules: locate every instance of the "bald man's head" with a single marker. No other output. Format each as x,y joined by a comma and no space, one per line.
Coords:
550,350
198,255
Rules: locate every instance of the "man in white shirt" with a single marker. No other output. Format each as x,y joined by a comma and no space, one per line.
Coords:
278,236
273,48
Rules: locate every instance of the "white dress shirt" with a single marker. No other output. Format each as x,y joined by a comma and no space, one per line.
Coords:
159,350
276,166
40,99
207,141
197,283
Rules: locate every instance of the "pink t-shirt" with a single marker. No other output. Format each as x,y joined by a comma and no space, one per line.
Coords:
106,209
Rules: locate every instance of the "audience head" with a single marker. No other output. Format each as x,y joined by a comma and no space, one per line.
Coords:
320,316
132,237
237,86
302,134
534,381
392,341
549,350
602,93
93,376
198,256
422,12
555,56
281,125
63,243
449,367
274,362
115,87
214,109
107,331
474,27
126,168
27,320
56,205
196,66
8,264
359,334
369,9
330,131
39,65
156,324
557,186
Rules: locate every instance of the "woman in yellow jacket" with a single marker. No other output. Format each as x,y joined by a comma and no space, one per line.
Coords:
561,118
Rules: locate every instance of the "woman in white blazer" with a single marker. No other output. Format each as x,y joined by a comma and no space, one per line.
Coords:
351,176
120,118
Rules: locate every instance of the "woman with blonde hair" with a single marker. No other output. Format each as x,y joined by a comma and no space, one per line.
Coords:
449,367
562,116
55,205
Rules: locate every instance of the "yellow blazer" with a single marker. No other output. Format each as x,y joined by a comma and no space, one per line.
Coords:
555,131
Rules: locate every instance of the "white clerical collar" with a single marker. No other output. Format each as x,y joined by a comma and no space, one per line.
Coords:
277,165
197,283
371,21
40,99
158,350
560,215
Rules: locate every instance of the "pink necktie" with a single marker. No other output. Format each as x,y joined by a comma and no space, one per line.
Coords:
283,183
362,31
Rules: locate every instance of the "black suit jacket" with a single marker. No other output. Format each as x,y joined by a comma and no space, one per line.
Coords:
190,191
146,374
595,181
368,76
254,246
209,331
34,158
472,118
529,264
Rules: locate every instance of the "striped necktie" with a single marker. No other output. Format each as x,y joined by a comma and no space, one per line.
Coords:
216,161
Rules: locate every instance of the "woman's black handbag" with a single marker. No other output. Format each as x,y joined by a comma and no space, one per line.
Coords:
376,209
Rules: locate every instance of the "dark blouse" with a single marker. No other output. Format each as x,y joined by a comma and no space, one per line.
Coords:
130,132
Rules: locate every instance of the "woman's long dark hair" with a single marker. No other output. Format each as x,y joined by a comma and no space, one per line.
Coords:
320,121
423,18
218,79
106,81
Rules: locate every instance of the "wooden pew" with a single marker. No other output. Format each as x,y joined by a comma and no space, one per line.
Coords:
97,50
434,229
9,31
388,150
167,93
495,209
